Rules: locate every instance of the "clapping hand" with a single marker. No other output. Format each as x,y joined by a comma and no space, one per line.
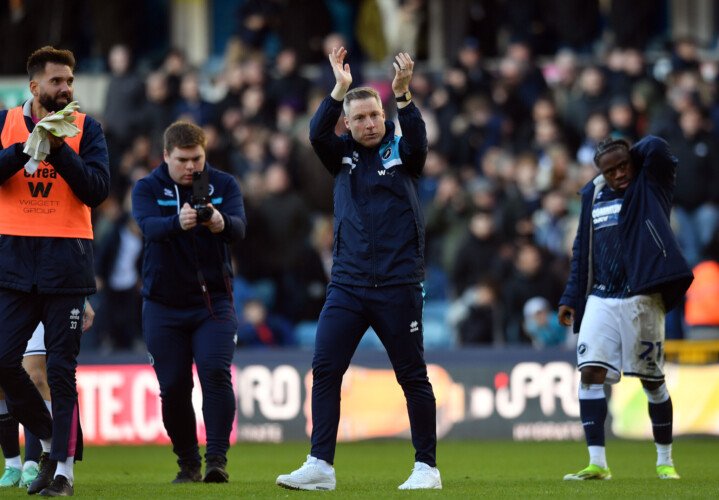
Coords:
341,70
403,66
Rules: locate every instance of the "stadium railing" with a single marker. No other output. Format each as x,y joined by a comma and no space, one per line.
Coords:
697,352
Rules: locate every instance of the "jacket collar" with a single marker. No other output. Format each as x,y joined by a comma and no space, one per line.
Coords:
163,173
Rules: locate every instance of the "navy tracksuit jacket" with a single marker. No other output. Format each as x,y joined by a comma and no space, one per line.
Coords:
652,258
180,323
47,279
377,270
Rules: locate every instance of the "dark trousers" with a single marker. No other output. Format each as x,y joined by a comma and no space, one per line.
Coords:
175,337
62,317
395,313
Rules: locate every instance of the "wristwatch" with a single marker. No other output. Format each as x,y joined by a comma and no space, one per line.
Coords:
406,97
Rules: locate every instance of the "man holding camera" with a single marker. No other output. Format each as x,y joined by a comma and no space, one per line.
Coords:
189,213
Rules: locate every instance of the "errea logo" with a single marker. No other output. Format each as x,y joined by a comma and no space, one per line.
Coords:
74,318
413,327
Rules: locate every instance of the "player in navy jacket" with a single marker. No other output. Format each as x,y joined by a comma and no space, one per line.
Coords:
188,313
46,261
378,265
626,272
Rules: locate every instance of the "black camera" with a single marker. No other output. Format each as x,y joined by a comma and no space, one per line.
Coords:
201,195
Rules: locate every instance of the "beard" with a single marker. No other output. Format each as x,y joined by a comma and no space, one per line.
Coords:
54,104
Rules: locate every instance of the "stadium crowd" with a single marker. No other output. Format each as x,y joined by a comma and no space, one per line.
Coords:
512,120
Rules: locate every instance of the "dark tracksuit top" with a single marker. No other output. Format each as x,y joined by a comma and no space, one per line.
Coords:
171,255
379,226
652,259
180,323
377,270
48,278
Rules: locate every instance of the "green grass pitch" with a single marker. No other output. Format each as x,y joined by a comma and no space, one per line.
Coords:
470,469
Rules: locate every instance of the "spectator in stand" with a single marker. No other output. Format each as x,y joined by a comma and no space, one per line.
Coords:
697,185
469,60
313,275
288,86
260,328
477,256
529,278
255,23
622,119
562,76
218,150
286,224
592,96
326,79
552,223
525,175
475,316
174,66
446,221
542,324
596,129
481,129
123,99
118,268
683,91
157,110
192,106
685,54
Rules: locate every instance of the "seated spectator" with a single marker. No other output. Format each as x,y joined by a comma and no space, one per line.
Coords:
474,316
261,328
530,277
477,255
542,324
552,223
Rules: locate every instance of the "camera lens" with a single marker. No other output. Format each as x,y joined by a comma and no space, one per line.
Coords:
204,213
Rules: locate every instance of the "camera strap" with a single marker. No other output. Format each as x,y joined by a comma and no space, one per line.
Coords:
203,282
205,291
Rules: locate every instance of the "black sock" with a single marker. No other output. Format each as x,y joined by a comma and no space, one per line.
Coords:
661,415
33,448
9,436
593,413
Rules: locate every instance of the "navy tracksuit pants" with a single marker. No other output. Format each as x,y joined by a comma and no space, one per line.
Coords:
62,317
175,337
395,313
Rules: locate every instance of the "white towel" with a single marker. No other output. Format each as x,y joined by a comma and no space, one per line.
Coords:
58,124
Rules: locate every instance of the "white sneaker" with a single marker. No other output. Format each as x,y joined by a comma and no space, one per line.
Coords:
315,474
423,477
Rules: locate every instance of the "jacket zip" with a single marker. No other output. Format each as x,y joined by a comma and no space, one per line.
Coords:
655,236
371,218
